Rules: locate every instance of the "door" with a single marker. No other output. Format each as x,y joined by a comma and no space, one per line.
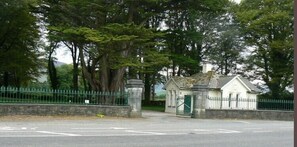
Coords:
187,104
183,105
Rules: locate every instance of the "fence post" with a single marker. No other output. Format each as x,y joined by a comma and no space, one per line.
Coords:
135,88
200,95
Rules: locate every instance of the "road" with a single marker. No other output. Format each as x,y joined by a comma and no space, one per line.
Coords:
153,130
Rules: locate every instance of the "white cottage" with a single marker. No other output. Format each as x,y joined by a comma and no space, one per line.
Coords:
224,92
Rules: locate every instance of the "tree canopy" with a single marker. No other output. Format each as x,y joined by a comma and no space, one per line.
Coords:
111,41
268,28
19,38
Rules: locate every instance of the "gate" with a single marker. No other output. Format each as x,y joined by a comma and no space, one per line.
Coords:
183,105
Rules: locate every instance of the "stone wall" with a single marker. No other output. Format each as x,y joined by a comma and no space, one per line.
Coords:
59,109
249,114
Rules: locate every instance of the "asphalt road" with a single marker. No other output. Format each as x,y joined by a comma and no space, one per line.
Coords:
153,130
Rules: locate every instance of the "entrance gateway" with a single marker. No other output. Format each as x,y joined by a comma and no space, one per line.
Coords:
184,105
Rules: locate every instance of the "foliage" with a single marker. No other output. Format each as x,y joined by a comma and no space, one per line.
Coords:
268,28
19,40
225,44
188,26
111,41
284,96
64,72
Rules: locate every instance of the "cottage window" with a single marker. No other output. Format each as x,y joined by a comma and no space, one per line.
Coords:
173,98
237,99
230,96
169,98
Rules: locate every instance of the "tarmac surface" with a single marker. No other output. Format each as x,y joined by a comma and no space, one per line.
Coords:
152,130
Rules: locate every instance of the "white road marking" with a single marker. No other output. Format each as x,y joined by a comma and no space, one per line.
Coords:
7,128
264,131
245,122
57,133
89,128
23,128
202,130
113,128
118,128
216,131
144,132
227,131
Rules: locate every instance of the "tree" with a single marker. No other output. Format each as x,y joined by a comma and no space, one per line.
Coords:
64,73
109,37
19,41
188,26
225,44
51,68
268,28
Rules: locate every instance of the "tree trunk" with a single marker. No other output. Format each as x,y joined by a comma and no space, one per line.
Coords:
75,76
87,75
53,73
5,79
104,74
147,88
75,61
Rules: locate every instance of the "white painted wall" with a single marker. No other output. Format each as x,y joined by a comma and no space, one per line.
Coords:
213,104
235,96
172,93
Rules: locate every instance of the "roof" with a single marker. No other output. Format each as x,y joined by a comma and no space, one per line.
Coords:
250,85
188,82
214,81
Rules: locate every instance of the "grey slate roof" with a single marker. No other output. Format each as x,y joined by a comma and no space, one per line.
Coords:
249,84
188,82
214,81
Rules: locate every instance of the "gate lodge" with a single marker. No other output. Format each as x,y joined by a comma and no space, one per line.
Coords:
222,92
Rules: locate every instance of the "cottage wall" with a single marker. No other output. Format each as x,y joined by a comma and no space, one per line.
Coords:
235,96
175,97
172,93
213,104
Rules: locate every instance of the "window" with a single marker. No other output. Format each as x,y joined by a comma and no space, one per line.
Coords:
237,99
230,95
173,102
169,98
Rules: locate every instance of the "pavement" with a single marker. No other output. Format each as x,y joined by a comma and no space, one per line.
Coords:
152,130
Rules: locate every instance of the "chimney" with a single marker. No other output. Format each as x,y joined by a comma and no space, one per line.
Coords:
206,67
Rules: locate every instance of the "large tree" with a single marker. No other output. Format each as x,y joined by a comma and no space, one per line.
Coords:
19,37
108,36
188,24
268,28
225,44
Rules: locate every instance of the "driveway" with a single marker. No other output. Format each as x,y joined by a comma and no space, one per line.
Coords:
154,129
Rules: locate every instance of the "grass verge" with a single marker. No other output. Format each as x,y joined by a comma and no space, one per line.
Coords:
154,108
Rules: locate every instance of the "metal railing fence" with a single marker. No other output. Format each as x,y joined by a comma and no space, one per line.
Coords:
249,104
49,96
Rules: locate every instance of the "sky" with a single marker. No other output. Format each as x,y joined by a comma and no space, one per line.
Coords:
63,55
237,1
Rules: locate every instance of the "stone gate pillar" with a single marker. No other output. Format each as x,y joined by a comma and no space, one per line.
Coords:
135,88
199,100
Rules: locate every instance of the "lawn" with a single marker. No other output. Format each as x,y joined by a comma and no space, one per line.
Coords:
154,108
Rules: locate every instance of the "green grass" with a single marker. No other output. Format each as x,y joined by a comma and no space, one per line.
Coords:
154,108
